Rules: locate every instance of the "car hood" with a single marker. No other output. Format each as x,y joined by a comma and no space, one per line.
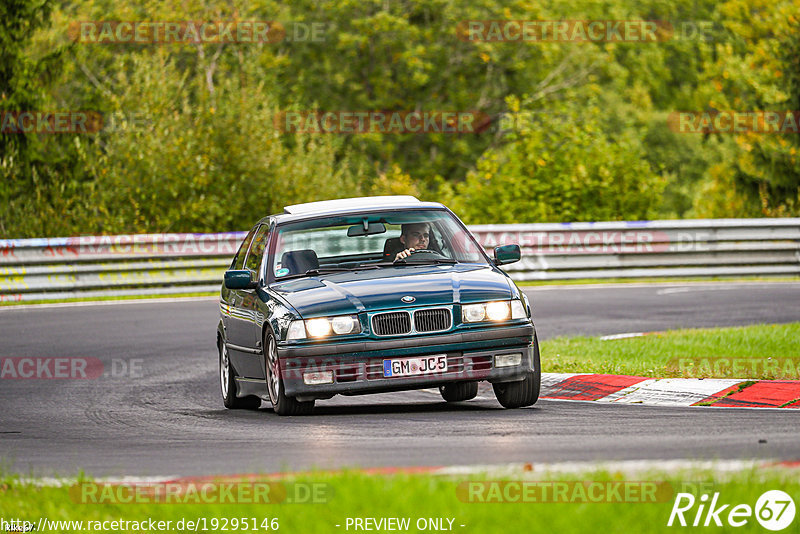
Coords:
380,289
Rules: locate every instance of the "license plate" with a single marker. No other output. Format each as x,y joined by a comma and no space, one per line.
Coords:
415,366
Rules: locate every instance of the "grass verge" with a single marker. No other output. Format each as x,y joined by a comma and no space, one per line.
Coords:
585,502
766,352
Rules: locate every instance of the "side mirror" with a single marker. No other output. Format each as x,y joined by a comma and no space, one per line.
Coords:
507,254
239,279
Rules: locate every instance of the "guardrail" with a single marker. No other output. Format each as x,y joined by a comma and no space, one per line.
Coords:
681,248
152,264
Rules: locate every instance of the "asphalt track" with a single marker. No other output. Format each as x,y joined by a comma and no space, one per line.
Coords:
167,419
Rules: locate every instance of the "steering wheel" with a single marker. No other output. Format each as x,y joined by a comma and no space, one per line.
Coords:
422,250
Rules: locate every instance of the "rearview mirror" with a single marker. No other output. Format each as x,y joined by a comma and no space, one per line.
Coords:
360,230
507,254
239,279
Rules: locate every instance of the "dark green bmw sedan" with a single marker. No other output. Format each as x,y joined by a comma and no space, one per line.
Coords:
370,295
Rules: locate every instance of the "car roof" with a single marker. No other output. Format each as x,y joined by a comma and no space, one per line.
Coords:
343,206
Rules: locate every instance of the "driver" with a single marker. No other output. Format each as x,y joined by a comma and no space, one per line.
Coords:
414,236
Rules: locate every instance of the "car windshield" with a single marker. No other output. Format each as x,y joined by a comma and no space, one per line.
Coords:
371,240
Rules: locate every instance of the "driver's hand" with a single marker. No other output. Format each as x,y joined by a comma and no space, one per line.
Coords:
404,254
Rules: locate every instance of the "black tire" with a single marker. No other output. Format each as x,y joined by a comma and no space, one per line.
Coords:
281,404
526,391
459,391
227,382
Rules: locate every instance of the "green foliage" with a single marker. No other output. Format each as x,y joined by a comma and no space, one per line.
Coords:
573,131
32,170
221,165
758,70
560,167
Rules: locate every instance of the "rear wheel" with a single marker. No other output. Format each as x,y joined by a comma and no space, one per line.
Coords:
526,391
459,391
281,404
227,382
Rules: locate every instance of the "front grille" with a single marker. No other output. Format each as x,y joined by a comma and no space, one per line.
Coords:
432,320
391,324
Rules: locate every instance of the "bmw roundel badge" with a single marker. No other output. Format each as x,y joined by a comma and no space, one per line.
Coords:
408,298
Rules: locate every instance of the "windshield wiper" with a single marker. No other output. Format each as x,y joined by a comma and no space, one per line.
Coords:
404,261
423,262
313,272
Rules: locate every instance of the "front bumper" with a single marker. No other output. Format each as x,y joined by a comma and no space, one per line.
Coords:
358,367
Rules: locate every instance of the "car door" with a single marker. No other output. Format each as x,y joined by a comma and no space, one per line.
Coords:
246,353
230,312
227,300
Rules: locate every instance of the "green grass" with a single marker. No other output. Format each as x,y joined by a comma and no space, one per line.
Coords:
761,352
656,280
358,495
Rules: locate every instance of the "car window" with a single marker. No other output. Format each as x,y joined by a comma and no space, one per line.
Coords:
333,240
257,248
325,242
238,260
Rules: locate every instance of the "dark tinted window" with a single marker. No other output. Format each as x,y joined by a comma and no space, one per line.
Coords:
257,248
238,260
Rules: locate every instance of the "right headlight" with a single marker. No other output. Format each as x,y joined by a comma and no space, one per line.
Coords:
495,311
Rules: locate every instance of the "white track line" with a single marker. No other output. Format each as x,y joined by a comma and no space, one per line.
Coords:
623,336
654,285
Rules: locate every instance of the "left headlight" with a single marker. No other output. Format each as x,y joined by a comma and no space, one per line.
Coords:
501,310
320,327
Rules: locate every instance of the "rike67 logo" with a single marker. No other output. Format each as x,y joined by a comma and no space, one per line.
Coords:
774,510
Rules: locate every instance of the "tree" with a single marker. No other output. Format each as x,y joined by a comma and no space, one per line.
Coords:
560,167
758,70
27,173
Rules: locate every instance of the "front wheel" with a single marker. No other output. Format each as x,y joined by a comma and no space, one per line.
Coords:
281,404
526,391
227,382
